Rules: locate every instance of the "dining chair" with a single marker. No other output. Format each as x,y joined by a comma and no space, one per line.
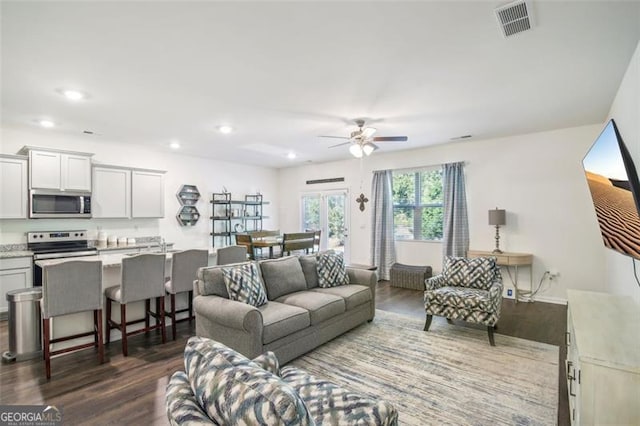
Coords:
70,287
316,239
298,241
247,241
142,278
184,270
231,254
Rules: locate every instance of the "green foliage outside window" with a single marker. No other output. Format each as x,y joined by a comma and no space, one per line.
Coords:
417,205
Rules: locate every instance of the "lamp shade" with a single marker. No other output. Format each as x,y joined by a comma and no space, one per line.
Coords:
497,217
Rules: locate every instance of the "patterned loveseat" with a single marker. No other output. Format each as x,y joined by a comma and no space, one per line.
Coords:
221,387
291,309
467,289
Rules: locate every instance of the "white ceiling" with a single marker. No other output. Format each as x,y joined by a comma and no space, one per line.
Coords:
283,73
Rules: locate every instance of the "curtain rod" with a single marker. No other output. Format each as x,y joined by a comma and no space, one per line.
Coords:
418,168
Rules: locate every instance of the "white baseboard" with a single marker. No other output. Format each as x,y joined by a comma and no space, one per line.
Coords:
549,299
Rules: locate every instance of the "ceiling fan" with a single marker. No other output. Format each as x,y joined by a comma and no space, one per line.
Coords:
361,140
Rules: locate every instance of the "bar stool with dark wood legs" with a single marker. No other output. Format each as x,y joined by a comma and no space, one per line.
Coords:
69,287
142,278
184,271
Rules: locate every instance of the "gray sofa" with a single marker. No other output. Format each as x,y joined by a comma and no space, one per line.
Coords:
298,317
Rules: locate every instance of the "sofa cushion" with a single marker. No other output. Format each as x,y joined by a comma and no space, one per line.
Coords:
309,265
321,306
353,294
331,269
280,320
282,276
211,282
478,272
329,403
233,390
268,361
460,297
244,284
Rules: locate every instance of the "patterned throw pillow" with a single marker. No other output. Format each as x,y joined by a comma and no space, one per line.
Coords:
233,390
478,272
331,269
244,284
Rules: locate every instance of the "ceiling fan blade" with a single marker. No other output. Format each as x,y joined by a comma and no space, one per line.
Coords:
368,132
391,139
334,137
340,144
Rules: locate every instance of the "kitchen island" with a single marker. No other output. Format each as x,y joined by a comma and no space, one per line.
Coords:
111,268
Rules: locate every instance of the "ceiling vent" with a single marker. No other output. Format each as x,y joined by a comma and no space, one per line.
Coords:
514,18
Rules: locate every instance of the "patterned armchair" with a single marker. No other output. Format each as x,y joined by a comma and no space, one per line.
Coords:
467,289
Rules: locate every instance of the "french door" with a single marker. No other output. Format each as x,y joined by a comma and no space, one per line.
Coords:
329,212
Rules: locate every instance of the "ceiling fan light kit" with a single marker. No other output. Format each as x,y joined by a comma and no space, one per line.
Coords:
361,140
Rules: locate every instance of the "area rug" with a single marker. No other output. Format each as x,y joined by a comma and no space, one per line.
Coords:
448,375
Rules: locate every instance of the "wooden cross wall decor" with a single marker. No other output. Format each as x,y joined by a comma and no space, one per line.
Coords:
362,199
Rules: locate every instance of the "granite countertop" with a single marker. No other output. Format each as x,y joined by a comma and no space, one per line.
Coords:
148,245
15,253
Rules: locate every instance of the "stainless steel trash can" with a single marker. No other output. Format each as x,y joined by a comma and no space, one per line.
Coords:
24,324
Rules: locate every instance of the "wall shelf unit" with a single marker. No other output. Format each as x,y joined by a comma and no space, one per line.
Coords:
230,216
188,196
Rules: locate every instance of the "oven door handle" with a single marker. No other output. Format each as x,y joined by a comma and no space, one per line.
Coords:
46,256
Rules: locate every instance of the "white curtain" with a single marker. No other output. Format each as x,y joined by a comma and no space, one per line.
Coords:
455,238
383,252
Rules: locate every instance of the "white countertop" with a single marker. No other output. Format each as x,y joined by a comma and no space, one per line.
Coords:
109,260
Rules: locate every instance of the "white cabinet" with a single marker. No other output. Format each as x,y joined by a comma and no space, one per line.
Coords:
13,187
62,170
111,196
603,358
120,192
15,273
147,193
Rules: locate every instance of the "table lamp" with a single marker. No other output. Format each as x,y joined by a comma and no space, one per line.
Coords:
497,217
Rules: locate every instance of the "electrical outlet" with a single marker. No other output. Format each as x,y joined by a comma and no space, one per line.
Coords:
552,274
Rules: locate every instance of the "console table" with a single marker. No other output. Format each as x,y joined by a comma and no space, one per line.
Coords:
509,259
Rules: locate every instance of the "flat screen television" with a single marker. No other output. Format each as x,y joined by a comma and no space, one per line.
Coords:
615,190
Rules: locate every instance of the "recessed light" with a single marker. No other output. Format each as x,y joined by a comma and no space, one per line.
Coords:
72,94
47,123
174,145
291,155
225,129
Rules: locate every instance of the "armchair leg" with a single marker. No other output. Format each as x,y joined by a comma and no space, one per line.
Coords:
427,324
490,330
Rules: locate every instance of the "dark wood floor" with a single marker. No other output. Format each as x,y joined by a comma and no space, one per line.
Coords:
131,390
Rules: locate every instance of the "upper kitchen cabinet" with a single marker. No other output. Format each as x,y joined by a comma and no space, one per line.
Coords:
61,170
147,193
111,196
13,187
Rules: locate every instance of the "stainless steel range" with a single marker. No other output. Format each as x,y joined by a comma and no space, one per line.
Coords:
57,245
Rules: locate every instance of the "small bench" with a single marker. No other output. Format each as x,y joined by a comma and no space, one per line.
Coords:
409,276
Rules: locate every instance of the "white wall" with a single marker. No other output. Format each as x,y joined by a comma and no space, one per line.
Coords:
625,110
208,175
538,178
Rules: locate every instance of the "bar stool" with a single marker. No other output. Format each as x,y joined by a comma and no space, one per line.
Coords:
142,278
231,254
67,288
184,271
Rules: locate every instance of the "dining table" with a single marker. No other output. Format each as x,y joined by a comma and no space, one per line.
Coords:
267,242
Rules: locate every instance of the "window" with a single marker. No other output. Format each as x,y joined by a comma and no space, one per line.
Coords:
417,205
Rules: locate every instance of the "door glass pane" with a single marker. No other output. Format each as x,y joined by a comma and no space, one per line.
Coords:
310,212
336,222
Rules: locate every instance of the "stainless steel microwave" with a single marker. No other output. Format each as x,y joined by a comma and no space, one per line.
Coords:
59,204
